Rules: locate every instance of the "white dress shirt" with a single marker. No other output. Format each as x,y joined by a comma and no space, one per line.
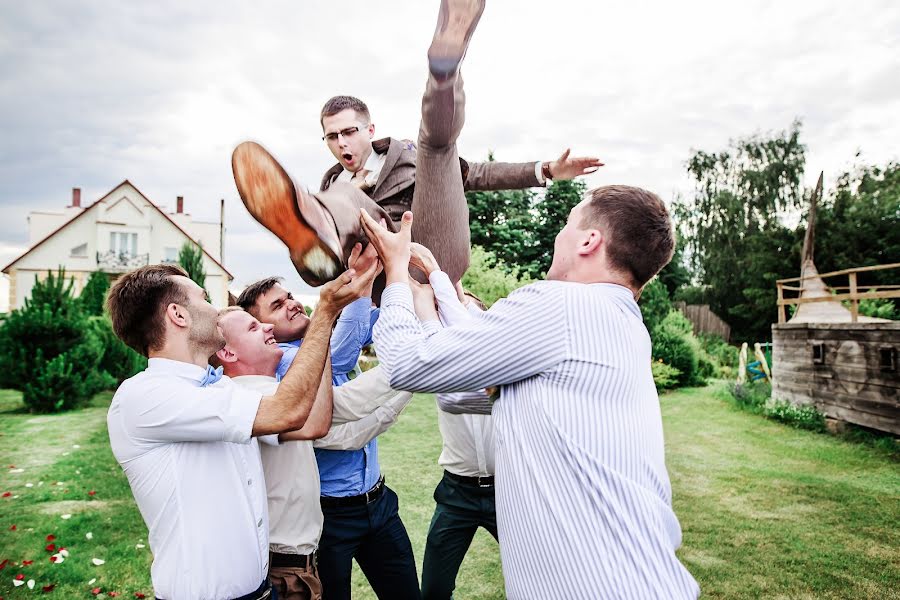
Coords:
373,165
291,473
581,481
196,476
468,439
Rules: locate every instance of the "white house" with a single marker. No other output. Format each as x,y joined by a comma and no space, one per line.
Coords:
119,232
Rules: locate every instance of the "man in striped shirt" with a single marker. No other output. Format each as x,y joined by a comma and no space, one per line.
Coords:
582,492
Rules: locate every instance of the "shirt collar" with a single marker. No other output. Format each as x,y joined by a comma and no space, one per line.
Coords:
253,379
177,368
621,293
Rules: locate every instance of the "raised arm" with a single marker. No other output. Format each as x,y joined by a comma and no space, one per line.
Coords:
319,421
493,350
289,407
353,328
493,175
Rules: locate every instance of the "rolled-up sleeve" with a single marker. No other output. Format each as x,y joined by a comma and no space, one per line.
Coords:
162,412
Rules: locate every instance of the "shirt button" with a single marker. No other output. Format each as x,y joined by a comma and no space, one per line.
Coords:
259,523
249,482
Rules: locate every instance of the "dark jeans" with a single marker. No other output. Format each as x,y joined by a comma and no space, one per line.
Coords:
375,536
461,509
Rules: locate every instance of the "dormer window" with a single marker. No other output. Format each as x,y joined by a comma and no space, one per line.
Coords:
123,244
79,251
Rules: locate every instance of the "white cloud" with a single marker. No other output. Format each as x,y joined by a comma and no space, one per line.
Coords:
93,93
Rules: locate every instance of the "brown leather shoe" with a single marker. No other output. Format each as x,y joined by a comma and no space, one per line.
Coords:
456,23
290,212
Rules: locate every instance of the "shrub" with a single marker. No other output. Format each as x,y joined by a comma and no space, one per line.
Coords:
801,417
49,351
718,358
664,376
751,396
489,278
93,296
655,303
119,361
675,343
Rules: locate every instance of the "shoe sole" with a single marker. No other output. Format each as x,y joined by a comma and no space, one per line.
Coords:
449,44
274,201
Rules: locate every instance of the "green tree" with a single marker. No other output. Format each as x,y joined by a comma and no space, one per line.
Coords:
190,257
551,213
49,351
490,278
734,238
858,225
93,296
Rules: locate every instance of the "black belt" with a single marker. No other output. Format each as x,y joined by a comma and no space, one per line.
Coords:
291,561
361,500
263,592
482,481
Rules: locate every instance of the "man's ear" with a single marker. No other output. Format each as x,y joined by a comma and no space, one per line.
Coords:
591,242
371,129
226,355
178,315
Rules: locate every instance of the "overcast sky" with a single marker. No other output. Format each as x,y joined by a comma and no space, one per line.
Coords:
92,93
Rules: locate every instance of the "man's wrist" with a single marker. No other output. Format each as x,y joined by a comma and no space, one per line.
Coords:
546,171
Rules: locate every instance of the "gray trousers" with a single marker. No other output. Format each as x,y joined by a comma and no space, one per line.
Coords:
441,215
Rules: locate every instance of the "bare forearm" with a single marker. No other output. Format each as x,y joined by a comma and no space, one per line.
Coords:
319,421
289,408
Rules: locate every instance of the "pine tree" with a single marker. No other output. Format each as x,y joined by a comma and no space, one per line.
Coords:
93,296
49,351
190,257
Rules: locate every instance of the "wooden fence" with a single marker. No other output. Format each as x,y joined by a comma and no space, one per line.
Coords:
704,320
850,292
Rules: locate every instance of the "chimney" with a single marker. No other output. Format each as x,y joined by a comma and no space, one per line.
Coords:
76,197
179,204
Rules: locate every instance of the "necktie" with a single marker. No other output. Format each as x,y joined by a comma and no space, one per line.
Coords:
359,179
212,376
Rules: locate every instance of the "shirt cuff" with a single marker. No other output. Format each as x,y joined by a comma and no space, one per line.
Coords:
539,173
398,294
245,405
431,327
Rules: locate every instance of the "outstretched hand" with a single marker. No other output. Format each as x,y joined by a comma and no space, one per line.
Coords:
347,287
567,167
422,258
393,248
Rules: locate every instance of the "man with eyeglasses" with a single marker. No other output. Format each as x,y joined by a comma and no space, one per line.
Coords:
388,176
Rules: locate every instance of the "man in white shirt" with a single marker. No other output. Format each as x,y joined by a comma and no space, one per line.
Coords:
250,357
184,435
582,492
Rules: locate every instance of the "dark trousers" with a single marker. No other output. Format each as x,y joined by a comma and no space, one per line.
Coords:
461,509
375,536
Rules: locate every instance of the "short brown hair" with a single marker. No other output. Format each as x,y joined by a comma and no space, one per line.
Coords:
137,303
637,226
341,103
247,299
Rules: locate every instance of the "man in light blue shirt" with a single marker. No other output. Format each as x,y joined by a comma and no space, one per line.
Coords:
361,518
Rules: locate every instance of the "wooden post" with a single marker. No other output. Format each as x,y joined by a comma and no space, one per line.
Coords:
781,315
854,301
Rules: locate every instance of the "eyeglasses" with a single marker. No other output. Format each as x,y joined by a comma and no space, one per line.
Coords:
347,133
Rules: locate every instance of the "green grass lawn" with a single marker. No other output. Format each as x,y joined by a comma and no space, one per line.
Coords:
767,511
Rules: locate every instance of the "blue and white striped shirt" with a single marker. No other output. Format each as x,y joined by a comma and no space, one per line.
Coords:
583,496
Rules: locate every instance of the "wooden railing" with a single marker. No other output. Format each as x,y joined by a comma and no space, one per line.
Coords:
852,295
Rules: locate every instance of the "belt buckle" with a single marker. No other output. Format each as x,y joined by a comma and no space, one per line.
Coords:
483,485
266,594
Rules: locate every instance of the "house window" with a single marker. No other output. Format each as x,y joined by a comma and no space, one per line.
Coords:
79,251
123,244
818,353
171,255
888,358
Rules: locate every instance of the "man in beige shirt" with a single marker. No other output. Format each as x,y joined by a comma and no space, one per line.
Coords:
342,418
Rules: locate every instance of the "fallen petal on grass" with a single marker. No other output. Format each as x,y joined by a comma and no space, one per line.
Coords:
98,561
89,535
31,584
66,516
139,546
